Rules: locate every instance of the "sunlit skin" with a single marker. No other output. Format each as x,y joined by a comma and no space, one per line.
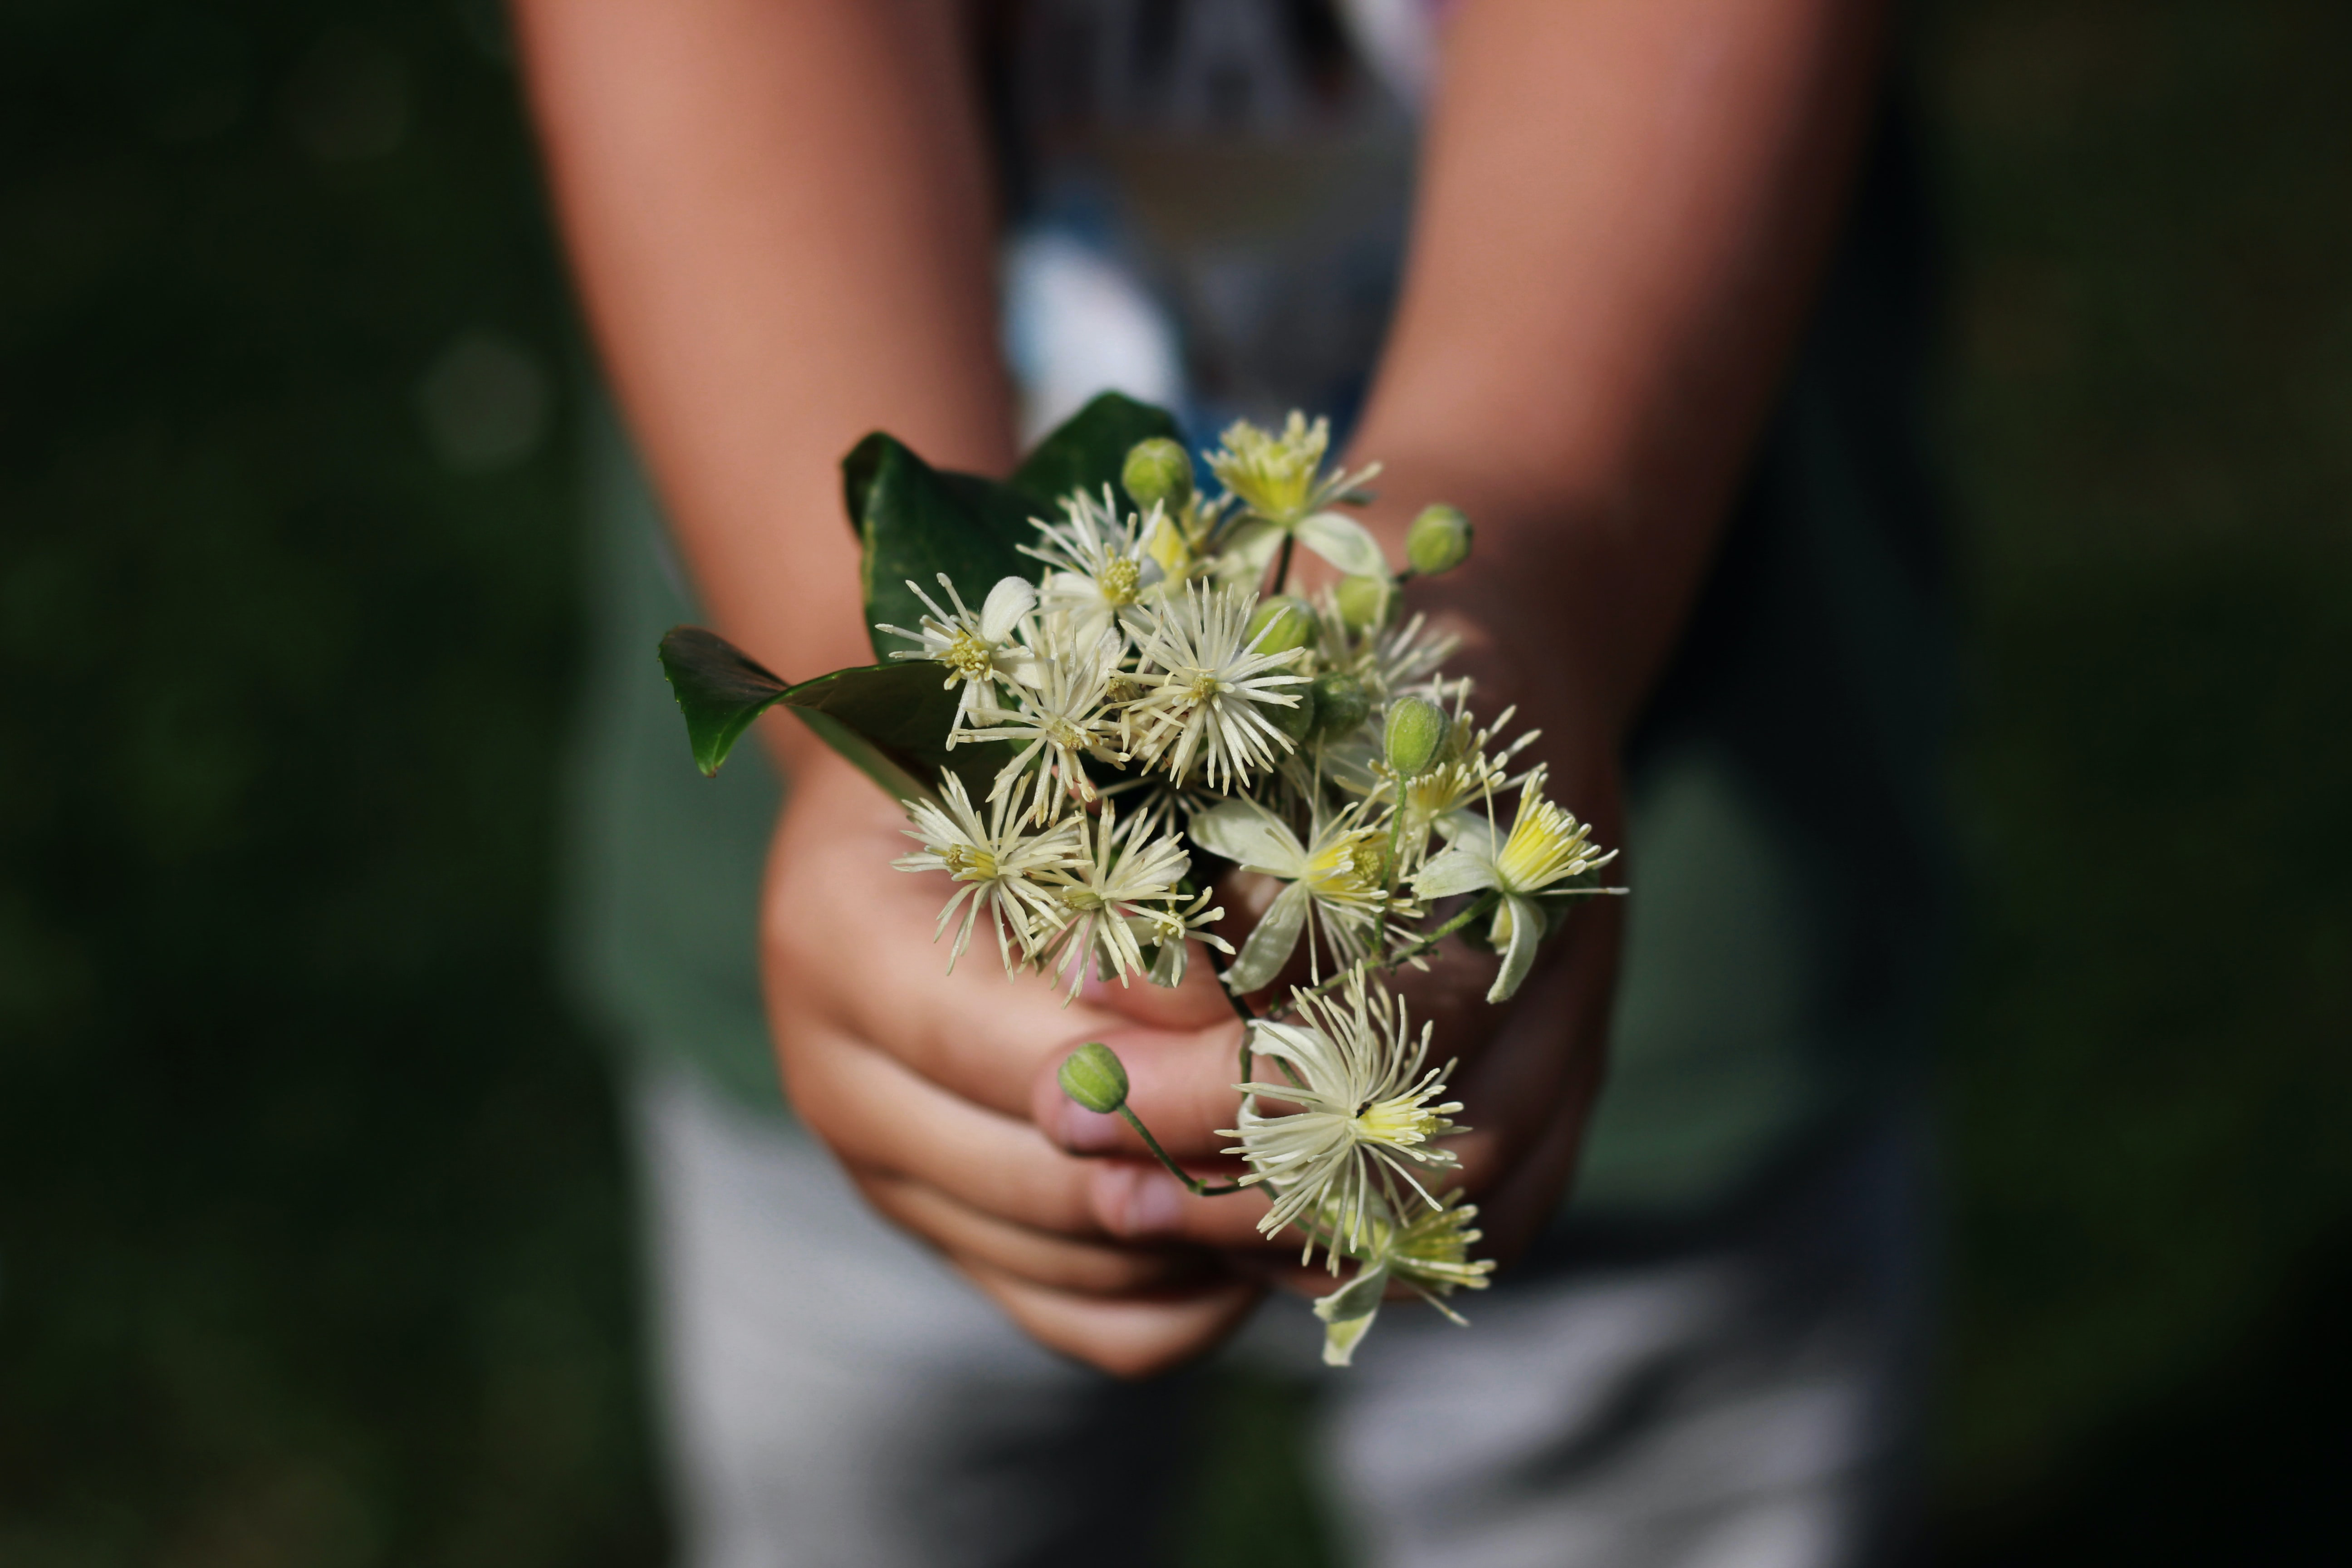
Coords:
781,218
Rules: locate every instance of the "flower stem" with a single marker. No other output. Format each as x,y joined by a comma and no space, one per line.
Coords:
1198,1188
1282,563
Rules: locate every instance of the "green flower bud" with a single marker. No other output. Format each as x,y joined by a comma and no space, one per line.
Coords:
1438,541
1342,704
1366,601
1296,628
1094,1077
1157,472
1416,729
1294,722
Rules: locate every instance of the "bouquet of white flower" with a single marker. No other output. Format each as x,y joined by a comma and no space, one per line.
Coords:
1135,712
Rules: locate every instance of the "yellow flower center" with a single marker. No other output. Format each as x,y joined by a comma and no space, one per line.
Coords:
1546,844
1119,581
969,864
1401,1122
1349,867
970,657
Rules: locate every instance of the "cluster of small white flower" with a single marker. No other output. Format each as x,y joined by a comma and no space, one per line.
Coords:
1151,702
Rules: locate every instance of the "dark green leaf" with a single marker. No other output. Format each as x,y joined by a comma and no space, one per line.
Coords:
720,688
916,522
1086,451
891,721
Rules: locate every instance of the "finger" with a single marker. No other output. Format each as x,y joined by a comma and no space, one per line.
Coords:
879,1117
1180,1083
867,964
1197,1003
1039,1256
1130,1338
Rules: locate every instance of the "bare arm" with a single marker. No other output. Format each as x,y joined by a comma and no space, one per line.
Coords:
781,219
1625,205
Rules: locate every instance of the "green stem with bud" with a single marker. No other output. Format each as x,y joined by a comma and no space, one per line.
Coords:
1197,1187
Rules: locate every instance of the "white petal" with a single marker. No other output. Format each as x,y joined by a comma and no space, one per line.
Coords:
1251,545
1012,598
1471,830
1247,835
1343,541
1269,946
1527,924
1347,1313
1452,871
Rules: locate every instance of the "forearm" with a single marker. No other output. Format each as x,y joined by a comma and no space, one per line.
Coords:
1624,206
781,220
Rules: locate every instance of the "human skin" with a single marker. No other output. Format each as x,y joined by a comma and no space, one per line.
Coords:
781,217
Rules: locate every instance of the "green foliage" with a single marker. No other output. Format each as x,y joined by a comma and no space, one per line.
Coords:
889,720
916,522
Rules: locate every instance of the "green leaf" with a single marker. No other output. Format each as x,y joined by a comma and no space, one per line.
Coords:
890,720
720,688
916,522
1087,450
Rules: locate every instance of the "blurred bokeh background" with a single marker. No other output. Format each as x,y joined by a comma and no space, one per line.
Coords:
314,1241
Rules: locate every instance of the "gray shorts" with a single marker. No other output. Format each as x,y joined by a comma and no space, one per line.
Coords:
1739,1395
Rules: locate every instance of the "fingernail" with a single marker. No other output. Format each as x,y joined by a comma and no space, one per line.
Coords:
1085,1131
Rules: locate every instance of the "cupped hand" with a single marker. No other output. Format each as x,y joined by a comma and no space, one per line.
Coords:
918,1081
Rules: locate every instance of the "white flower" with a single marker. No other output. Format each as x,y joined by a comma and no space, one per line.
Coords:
995,864
1101,568
1165,929
1117,877
1061,715
978,649
1546,846
1201,687
1336,884
1430,1256
1362,1134
1279,479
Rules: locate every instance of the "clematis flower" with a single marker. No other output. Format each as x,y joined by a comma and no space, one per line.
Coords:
1546,846
1278,477
1061,715
997,865
1368,1111
1336,884
1122,873
1203,686
978,649
1099,568
1430,1257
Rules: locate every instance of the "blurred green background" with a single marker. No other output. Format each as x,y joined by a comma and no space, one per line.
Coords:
314,1244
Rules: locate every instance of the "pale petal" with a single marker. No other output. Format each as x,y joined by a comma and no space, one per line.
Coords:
1343,541
1526,930
1452,871
1168,964
1471,830
1012,598
1249,834
1251,545
1269,946
1347,1313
